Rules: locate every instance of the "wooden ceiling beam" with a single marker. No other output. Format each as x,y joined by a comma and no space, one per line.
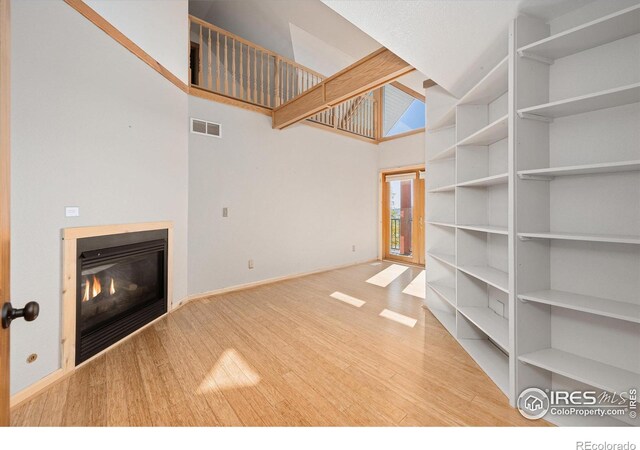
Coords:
372,71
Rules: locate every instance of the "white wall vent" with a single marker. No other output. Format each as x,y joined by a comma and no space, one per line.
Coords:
199,126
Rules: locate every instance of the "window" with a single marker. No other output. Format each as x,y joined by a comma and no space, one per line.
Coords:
402,112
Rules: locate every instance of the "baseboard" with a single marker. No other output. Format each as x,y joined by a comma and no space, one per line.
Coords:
36,387
240,287
60,374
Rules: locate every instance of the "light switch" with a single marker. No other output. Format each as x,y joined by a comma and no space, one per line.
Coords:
72,211
225,212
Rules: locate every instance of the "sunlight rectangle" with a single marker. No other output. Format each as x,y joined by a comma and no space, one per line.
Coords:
418,286
397,317
348,299
385,277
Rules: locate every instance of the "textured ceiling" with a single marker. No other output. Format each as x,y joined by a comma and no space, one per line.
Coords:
446,39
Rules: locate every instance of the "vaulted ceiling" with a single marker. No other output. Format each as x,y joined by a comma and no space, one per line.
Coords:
307,31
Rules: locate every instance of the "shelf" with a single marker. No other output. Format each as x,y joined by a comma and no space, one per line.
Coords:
585,303
441,224
492,133
447,119
612,238
446,292
587,169
448,188
492,86
609,98
485,228
490,359
445,258
486,181
589,35
493,325
589,371
494,277
445,154
448,320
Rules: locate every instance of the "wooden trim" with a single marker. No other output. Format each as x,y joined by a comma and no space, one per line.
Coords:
119,37
36,387
5,199
408,90
417,237
69,259
426,84
220,98
340,132
103,230
369,73
401,135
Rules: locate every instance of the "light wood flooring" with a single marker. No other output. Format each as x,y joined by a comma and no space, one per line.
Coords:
283,354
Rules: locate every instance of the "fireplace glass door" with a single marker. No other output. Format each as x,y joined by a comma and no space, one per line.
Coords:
119,288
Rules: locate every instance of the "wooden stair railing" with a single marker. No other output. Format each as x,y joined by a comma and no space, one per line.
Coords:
223,64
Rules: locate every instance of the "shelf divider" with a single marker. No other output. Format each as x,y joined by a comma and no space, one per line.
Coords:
586,303
588,371
608,98
589,35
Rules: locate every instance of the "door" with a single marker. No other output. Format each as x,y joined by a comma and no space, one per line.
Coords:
403,216
7,312
4,206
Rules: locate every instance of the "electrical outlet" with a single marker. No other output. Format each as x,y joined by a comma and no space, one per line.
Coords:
353,248
251,264
71,211
225,212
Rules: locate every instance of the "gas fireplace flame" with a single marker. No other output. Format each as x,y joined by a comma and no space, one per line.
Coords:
92,288
87,290
95,287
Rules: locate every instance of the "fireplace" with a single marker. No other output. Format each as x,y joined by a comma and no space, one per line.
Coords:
121,285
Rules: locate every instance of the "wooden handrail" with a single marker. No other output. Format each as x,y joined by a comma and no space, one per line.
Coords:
367,74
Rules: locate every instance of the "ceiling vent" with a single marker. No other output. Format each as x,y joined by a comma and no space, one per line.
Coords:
206,128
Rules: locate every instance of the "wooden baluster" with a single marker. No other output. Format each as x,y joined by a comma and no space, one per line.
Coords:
200,83
291,83
241,72
209,74
276,81
255,76
233,69
217,61
248,73
262,78
226,65
269,81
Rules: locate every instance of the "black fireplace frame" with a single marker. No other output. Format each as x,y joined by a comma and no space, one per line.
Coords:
122,245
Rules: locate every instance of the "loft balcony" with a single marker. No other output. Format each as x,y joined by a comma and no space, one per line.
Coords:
227,68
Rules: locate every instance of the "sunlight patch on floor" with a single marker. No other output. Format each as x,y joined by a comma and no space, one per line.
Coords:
397,317
231,371
418,286
385,277
348,299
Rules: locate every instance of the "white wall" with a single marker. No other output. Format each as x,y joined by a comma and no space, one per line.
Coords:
406,151
298,199
94,127
159,27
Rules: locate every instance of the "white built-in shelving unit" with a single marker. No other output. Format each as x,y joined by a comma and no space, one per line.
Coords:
533,210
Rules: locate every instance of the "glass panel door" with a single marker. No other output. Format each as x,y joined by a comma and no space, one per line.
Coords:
402,217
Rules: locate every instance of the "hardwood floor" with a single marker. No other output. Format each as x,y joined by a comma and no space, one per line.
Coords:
283,354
